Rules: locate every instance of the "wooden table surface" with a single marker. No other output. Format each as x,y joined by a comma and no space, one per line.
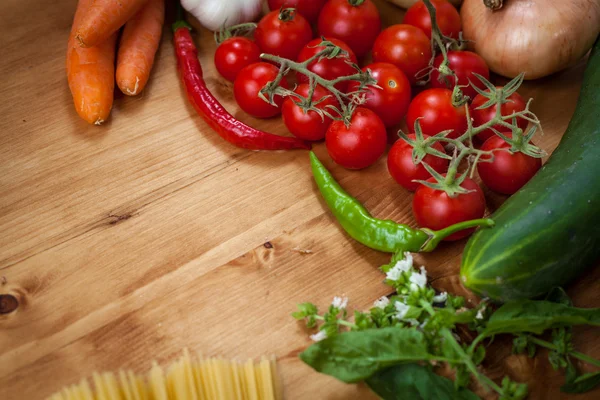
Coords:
126,243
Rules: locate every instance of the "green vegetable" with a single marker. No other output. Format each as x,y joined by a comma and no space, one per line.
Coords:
355,356
415,382
382,235
548,233
538,316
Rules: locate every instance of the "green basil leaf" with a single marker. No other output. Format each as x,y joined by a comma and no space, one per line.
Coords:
415,382
570,372
356,355
538,316
558,295
582,384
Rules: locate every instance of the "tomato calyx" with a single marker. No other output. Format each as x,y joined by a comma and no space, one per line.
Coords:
287,14
308,103
225,33
520,141
421,146
355,3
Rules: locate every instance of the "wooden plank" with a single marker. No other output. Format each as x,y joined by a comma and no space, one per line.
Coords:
128,242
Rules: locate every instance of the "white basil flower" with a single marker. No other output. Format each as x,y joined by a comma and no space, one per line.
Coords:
381,302
402,310
340,302
317,337
418,280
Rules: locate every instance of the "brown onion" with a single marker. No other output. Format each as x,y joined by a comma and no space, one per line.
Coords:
537,37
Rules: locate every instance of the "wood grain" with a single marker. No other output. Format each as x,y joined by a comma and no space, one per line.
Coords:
128,242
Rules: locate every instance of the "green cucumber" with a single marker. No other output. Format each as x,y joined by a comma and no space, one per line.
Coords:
548,233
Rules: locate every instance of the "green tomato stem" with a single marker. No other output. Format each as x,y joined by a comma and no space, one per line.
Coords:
314,79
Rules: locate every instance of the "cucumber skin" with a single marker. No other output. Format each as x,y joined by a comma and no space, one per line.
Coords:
548,233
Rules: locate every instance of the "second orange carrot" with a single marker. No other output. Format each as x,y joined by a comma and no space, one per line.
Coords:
139,43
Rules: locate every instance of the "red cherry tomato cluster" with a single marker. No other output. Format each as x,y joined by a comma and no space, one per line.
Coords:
402,58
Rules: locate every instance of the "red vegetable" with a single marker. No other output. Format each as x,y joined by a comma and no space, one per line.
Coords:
213,113
283,33
447,17
309,9
390,102
310,125
463,63
328,68
434,209
404,46
234,54
514,103
434,107
248,84
356,22
507,173
359,145
403,169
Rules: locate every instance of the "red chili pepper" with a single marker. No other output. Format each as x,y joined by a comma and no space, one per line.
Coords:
209,108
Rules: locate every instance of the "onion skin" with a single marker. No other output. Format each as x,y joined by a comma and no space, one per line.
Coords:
537,37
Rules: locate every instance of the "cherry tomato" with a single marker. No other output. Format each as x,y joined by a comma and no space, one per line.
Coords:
309,9
359,145
448,18
234,54
434,209
328,68
514,104
463,63
249,82
404,46
404,171
283,33
507,173
434,107
357,25
307,126
391,101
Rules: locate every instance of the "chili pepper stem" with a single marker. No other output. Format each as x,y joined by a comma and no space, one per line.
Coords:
435,237
180,21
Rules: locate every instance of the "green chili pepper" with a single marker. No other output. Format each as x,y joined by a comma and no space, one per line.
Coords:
382,235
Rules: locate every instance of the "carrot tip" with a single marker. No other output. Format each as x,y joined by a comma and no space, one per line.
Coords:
135,88
99,121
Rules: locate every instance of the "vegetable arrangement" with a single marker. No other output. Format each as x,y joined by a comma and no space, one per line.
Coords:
458,124
91,52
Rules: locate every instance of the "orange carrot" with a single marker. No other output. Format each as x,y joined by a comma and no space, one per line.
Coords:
105,17
91,73
139,42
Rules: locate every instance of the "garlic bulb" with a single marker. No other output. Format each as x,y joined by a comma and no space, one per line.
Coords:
537,37
212,14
